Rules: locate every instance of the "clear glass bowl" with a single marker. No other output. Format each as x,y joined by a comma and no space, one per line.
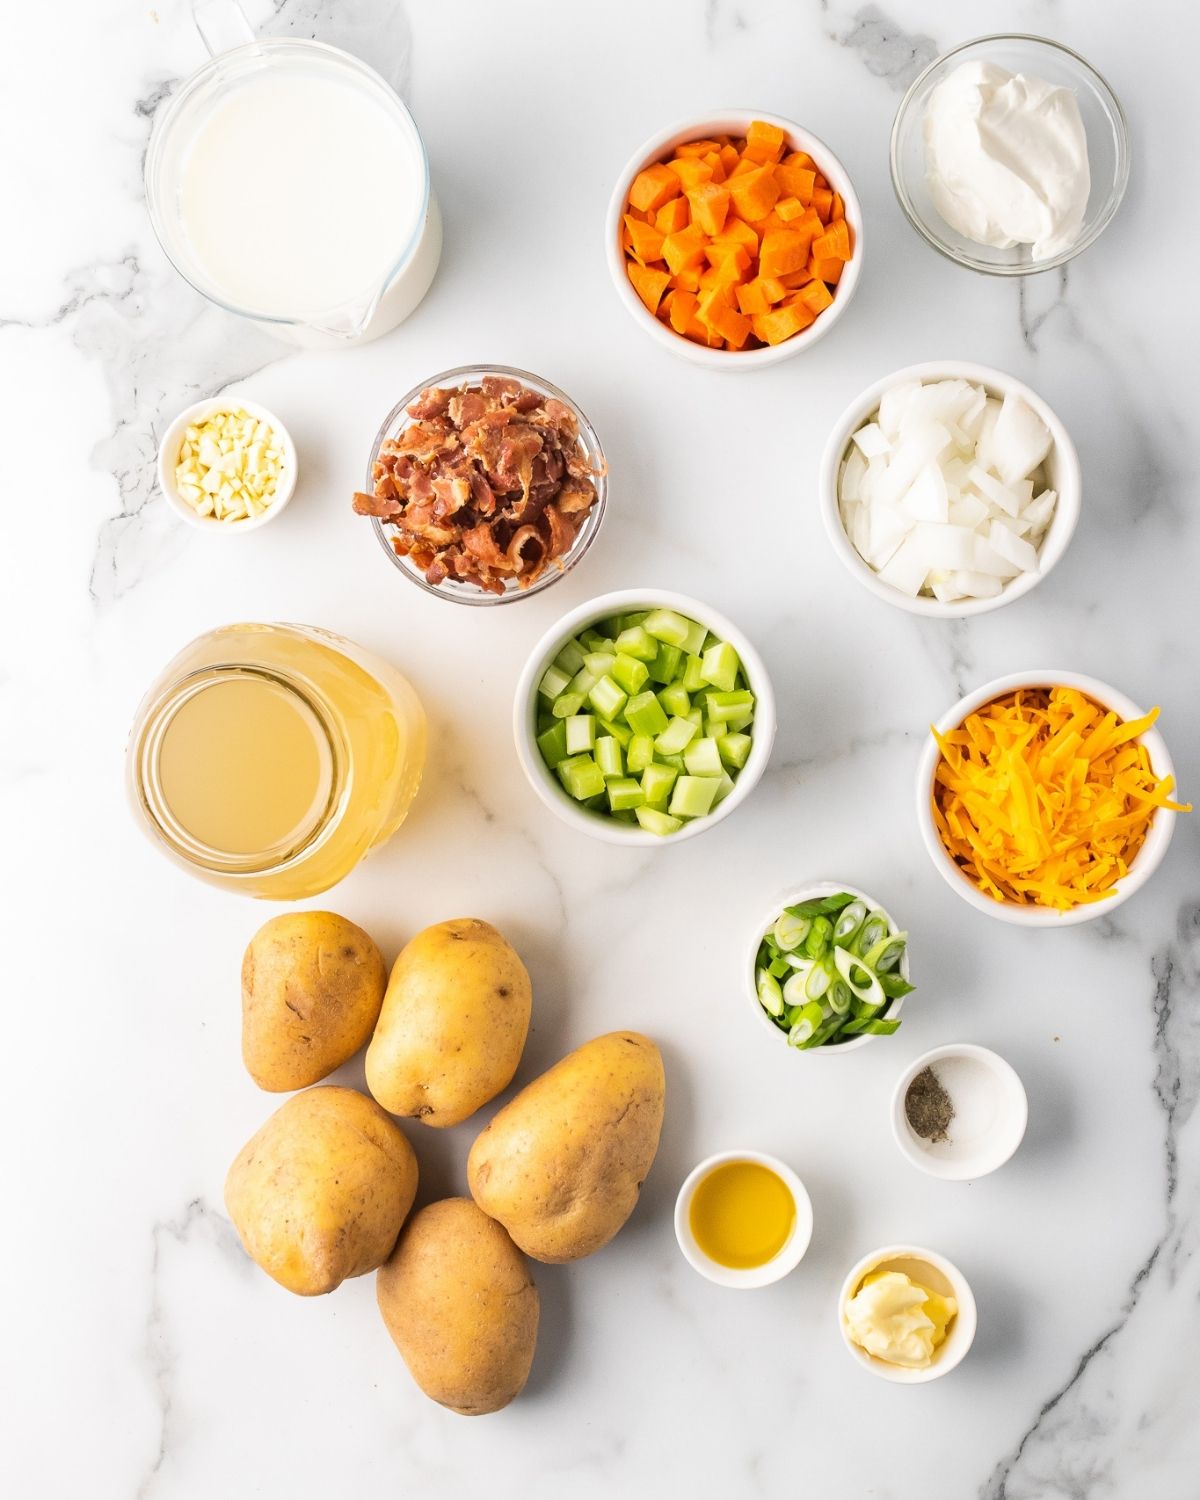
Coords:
455,589
1107,138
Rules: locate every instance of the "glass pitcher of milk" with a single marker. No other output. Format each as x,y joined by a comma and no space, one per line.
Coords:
287,182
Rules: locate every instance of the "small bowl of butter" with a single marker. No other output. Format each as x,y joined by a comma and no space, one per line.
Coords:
906,1314
1010,154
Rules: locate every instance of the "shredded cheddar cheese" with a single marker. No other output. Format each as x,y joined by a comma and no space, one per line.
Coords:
1043,797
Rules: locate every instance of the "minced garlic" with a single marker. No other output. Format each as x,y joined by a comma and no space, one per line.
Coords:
229,466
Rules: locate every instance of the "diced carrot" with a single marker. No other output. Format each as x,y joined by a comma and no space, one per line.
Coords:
754,193
700,333
797,182
764,142
773,289
649,284
690,170
684,248
744,167
774,327
795,279
730,157
822,201
683,309
821,181
697,148
737,256
752,298
816,296
710,205
782,251
713,159
771,223
645,241
834,244
652,187
798,159
672,216
788,209
827,270
838,210
810,222
800,310
687,280
733,326
738,230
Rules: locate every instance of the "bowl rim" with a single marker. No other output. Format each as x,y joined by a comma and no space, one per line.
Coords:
694,128
965,1320
542,780
1148,857
1058,535
790,897
1013,1132
173,437
394,422
1120,182
783,1262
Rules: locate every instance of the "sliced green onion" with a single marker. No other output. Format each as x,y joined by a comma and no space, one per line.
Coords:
818,937
839,997
860,980
850,919
886,953
769,994
817,981
821,906
789,931
793,990
871,1027
875,927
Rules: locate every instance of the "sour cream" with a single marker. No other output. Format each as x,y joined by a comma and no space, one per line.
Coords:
1007,159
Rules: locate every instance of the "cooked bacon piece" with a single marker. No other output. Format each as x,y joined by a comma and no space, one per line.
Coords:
487,484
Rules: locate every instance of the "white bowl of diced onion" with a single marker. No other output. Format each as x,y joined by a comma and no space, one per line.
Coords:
256,436
768,922
960,534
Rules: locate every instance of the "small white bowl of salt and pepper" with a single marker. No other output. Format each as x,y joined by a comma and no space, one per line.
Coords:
959,1112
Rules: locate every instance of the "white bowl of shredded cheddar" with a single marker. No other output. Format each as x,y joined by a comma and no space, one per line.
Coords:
1045,798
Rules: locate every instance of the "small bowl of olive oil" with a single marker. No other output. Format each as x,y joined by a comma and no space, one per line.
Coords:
743,1219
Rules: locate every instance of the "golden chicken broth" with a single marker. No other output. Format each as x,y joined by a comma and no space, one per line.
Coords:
742,1215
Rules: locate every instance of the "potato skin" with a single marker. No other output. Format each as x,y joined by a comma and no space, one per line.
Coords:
453,1024
561,1165
312,986
461,1307
322,1190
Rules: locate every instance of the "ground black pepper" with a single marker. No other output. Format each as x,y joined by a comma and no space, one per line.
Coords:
928,1107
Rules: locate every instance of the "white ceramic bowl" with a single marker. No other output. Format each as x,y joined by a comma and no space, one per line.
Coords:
1148,857
1062,468
546,784
990,1113
939,1275
168,456
788,1258
731,122
793,898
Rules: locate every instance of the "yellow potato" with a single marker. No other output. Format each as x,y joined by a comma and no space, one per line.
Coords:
562,1164
322,1190
461,1307
453,1024
312,985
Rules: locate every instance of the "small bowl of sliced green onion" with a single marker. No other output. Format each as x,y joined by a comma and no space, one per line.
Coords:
828,969
643,717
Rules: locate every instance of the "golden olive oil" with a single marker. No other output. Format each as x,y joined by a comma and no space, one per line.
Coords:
742,1214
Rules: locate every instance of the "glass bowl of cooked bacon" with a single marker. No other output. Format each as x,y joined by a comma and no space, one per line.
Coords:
485,484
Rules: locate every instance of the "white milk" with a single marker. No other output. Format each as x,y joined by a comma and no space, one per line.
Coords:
299,193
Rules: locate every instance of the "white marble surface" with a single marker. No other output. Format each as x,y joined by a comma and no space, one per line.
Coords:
142,1355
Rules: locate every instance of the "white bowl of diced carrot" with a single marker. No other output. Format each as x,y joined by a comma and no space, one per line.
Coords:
735,240
1045,798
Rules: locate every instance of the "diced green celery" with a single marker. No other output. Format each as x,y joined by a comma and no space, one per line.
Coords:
665,666
581,733
657,781
674,761
693,675
620,732
582,777
640,752
624,817
599,663
593,639
675,738
633,619
638,643
554,681
701,758
666,625
734,749
694,716
740,722
553,744
675,700
567,705
724,787
607,698
608,757
655,821
721,666
693,796
570,658
629,673
644,714
583,681
545,719
728,705
694,643
624,793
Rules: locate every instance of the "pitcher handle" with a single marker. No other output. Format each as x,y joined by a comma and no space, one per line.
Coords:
222,25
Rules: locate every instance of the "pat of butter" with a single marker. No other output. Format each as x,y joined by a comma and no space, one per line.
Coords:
229,466
897,1320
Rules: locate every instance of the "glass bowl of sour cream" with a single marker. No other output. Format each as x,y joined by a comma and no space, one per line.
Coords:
1010,154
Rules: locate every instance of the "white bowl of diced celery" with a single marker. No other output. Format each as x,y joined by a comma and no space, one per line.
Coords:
828,969
643,717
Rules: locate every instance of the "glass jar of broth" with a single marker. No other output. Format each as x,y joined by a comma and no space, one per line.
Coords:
269,759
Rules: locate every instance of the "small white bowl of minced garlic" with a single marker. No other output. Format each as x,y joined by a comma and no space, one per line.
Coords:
906,1314
227,465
